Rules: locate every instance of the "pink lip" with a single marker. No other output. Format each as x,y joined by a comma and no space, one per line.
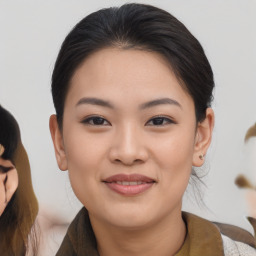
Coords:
115,183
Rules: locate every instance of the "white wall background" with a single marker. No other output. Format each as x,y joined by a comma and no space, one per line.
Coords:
30,36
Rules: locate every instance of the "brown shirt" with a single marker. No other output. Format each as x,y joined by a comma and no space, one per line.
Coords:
203,237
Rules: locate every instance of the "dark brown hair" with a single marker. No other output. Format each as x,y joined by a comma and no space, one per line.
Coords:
142,27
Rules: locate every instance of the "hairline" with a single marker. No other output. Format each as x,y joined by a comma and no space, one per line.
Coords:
123,45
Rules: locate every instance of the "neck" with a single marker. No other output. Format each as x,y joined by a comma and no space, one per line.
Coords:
164,238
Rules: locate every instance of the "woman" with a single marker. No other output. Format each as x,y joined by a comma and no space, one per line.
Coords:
18,207
132,89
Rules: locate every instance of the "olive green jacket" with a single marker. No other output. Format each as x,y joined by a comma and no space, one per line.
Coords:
204,238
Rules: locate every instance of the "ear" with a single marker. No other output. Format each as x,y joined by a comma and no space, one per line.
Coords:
57,140
8,183
203,138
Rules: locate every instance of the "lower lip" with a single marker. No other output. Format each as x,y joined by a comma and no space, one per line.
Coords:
129,190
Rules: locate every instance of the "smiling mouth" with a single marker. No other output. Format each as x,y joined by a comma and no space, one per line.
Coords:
129,185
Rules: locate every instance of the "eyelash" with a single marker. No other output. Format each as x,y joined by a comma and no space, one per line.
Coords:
93,118
167,120
101,119
4,169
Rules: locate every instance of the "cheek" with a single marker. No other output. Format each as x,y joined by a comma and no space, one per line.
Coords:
82,173
83,150
85,155
174,155
174,151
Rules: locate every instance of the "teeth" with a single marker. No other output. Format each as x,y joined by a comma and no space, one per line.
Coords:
129,183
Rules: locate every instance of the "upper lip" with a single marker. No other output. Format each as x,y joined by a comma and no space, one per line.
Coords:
129,177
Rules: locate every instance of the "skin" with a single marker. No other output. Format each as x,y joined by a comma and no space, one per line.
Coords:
8,182
131,140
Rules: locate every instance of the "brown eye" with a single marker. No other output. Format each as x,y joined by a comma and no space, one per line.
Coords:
96,120
159,121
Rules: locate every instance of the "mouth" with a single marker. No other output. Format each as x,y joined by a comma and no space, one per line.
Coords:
129,185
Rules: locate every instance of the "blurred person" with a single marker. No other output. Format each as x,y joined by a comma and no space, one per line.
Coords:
18,204
247,180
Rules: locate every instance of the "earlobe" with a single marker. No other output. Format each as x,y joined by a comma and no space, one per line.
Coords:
203,138
58,143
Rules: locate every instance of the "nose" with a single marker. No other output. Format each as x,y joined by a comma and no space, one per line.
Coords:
128,147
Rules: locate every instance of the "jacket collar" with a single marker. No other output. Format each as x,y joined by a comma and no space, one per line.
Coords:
203,237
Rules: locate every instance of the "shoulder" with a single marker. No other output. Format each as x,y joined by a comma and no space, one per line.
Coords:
236,233
236,241
219,237
233,248
80,239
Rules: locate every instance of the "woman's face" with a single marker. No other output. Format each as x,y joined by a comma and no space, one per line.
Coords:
129,137
8,181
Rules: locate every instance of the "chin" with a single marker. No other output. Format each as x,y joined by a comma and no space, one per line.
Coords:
129,216
131,221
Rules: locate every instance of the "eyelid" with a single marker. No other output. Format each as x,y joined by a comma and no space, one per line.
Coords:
168,118
86,120
4,169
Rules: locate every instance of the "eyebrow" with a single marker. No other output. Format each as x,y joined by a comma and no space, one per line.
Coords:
149,104
161,101
95,101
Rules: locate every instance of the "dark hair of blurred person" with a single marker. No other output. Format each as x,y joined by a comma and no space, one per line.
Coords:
17,229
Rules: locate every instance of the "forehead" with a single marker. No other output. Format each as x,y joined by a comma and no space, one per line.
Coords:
114,72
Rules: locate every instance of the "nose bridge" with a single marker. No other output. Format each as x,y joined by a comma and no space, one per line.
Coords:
128,138
127,145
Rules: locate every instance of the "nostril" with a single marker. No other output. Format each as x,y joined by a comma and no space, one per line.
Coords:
127,155
127,162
